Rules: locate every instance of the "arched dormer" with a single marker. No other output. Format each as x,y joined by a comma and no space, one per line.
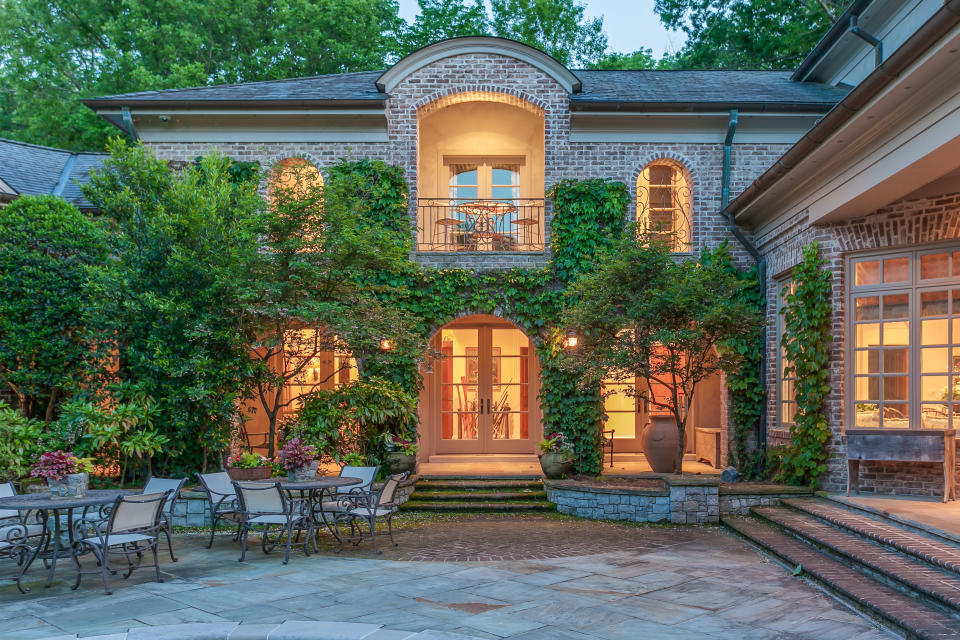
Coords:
473,45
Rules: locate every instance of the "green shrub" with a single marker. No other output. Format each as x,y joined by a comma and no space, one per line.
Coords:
19,443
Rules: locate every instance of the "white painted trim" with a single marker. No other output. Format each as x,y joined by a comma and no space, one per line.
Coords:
477,44
179,111
6,188
669,128
229,128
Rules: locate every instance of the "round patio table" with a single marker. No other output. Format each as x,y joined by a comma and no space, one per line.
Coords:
46,504
314,491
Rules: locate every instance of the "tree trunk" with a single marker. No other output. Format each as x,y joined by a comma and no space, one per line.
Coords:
51,405
681,432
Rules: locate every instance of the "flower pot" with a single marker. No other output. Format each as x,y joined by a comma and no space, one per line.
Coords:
398,462
255,473
304,473
554,466
73,485
659,442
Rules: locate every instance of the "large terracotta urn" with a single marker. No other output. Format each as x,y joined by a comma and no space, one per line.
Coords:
659,442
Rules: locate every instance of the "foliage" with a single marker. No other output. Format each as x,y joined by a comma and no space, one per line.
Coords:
806,343
19,442
557,443
588,218
47,248
441,19
303,291
557,27
747,396
55,54
639,59
642,313
169,299
747,34
247,460
295,454
357,417
55,465
396,443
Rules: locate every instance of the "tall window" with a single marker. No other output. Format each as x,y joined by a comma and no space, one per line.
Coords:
664,202
786,380
905,347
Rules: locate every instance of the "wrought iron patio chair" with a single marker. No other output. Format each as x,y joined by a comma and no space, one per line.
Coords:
265,504
366,474
369,507
607,443
133,528
173,485
22,535
222,501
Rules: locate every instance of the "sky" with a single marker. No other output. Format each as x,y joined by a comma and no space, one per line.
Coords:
630,25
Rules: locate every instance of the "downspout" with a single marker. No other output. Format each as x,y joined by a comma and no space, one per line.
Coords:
755,254
128,123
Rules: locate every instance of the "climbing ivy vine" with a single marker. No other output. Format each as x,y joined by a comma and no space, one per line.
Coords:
806,340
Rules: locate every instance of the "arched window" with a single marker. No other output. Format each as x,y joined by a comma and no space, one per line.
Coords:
664,203
297,174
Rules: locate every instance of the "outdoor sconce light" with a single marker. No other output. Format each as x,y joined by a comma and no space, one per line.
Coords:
571,340
386,344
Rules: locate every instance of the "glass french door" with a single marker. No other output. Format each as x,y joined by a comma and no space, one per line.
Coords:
484,390
626,413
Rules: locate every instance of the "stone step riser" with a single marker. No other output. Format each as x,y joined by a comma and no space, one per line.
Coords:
474,507
917,580
932,551
483,496
431,485
889,607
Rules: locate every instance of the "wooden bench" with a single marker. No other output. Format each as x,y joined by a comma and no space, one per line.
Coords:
902,445
707,445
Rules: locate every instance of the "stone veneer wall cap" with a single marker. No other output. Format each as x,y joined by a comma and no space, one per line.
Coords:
691,481
583,487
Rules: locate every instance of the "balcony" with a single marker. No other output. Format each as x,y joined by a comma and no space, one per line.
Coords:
511,225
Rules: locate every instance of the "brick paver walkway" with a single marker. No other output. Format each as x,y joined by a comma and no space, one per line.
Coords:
577,581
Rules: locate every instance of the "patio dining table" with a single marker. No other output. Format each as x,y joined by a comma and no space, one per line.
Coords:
313,491
53,508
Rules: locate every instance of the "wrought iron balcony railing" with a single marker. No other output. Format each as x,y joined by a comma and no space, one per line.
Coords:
448,224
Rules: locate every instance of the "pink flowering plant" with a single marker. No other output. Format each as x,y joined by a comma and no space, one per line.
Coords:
247,460
57,465
557,443
295,454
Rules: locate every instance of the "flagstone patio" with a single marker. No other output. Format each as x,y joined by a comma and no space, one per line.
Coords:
558,579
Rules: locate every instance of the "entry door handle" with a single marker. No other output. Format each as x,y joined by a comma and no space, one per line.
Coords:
488,406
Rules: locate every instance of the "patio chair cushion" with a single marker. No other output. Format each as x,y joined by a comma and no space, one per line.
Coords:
270,518
366,513
120,538
330,506
32,530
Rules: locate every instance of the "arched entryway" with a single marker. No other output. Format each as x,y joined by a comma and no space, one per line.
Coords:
480,395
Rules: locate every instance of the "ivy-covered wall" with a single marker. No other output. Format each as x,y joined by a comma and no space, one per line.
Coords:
588,216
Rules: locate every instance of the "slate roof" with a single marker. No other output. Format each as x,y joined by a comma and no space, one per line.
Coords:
651,87
34,170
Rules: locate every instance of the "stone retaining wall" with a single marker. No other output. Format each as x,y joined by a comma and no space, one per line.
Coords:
684,500
192,510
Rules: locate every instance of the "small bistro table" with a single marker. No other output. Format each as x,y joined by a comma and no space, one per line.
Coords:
46,504
312,492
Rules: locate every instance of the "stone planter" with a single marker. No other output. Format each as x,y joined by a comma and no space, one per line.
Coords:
247,475
73,485
398,462
659,442
305,473
554,466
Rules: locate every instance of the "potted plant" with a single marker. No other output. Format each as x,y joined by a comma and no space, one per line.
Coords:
299,459
249,466
66,475
556,456
401,453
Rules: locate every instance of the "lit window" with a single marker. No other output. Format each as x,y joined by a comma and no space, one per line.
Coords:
905,329
664,202
786,379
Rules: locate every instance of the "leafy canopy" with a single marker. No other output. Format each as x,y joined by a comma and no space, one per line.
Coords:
747,34
47,248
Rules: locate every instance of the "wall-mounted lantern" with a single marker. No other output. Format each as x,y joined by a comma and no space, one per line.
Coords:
571,340
386,344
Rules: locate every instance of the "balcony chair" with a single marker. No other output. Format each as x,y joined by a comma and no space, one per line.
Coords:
222,501
264,504
133,527
369,507
160,485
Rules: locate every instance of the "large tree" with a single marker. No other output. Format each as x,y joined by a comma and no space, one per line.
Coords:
440,19
52,54
747,34
47,248
170,298
558,27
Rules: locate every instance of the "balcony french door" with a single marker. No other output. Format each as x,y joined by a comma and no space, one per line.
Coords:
485,390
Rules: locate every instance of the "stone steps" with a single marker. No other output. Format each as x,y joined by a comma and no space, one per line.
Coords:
891,607
479,494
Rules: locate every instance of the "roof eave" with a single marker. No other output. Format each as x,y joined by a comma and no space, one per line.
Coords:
239,105
616,105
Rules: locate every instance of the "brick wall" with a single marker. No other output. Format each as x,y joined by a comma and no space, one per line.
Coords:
906,223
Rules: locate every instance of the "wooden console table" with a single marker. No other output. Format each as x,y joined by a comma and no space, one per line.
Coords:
707,445
902,445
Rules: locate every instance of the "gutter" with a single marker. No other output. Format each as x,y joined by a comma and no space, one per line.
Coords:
695,106
939,24
761,268
101,103
839,29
